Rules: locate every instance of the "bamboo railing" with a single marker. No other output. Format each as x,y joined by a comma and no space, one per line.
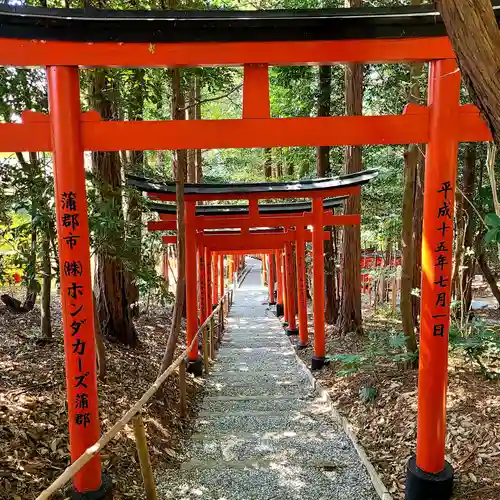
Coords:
211,335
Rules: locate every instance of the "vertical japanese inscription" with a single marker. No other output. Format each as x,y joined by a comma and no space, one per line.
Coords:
73,270
441,260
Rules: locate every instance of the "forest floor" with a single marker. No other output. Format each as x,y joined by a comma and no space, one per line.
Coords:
386,426
33,416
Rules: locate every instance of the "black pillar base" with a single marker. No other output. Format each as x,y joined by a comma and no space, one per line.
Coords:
291,331
299,345
422,485
102,493
272,303
195,366
318,362
280,310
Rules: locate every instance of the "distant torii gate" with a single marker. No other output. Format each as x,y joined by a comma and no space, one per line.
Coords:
64,41
248,238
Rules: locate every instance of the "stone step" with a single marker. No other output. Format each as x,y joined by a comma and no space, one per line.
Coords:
266,364
271,422
268,403
292,447
272,482
276,388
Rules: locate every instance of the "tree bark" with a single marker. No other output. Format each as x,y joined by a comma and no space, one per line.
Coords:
478,55
322,170
350,311
134,212
110,277
407,257
466,269
191,115
179,157
488,275
180,292
46,289
197,116
411,238
268,163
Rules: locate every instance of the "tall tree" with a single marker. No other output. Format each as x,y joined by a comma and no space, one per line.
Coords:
350,311
464,263
411,235
135,165
268,163
111,288
478,55
322,170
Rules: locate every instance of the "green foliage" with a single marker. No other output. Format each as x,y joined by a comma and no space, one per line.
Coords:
379,350
479,342
492,220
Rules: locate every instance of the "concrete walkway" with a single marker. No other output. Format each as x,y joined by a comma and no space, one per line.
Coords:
262,432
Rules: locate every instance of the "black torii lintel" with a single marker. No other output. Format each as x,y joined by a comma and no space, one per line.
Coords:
93,25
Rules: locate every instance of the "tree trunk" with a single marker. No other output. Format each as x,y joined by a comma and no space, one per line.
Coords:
134,213
411,240
478,56
197,116
46,289
415,96
179,157
468,187
180,292
488,275
407,245
268,163
350,312
191,115
322,170
110,277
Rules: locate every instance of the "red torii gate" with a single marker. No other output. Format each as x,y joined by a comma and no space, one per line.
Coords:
264,241
34,40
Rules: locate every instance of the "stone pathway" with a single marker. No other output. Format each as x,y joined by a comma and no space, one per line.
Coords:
262,432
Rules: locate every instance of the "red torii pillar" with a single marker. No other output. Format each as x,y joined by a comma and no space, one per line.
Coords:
208,293
285,289
203,283
279,280
290,291
428,474
301,289
215,285
271,280
75,284
221,275
195,363
318,360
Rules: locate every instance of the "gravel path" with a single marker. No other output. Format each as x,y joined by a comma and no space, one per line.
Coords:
262,432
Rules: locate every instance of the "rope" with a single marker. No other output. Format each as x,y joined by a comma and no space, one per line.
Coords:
72,469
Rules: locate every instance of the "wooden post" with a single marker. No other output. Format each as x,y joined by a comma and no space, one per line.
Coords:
182,390
142,451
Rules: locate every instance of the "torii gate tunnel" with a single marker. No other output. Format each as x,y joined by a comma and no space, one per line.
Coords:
65,40
267,240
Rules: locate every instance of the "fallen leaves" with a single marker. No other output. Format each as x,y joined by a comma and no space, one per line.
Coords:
387,427
33,419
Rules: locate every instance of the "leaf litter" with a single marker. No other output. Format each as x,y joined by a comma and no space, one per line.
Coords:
387,427
34,447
